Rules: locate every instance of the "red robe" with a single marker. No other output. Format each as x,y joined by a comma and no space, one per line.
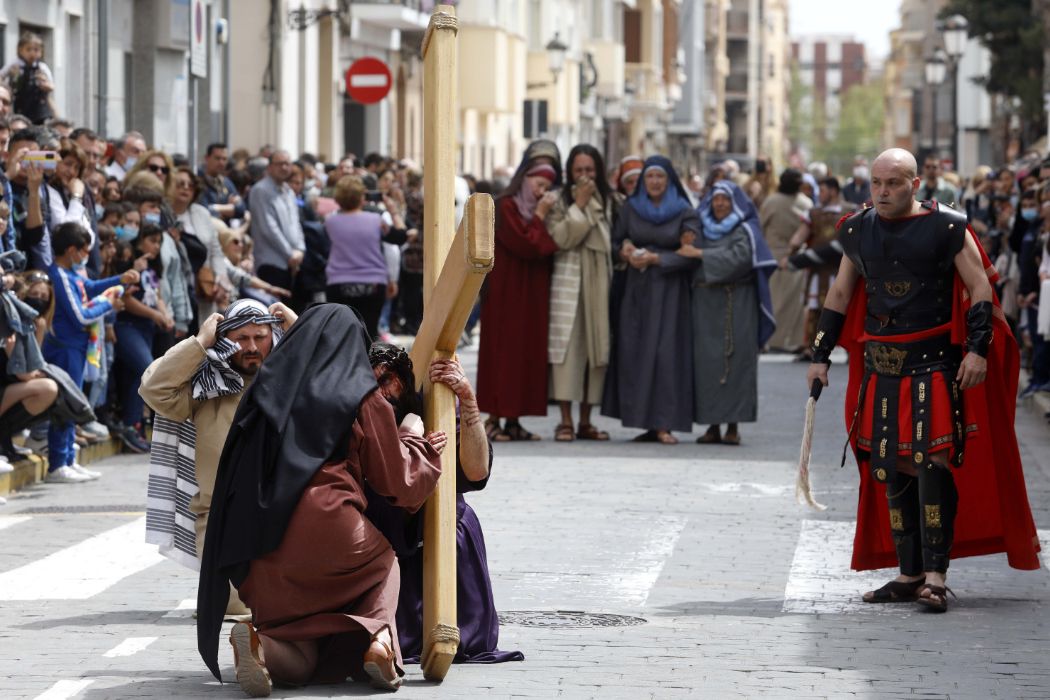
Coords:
994,515
512,359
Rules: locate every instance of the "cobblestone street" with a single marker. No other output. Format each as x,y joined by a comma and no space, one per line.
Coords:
727,588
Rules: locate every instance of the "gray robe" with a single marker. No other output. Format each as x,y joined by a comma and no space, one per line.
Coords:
651,385
725,331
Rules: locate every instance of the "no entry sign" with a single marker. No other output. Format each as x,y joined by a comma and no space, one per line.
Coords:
368,80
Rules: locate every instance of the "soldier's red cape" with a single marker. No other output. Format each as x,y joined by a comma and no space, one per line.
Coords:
994,515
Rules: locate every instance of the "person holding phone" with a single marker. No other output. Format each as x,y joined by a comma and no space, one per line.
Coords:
66,190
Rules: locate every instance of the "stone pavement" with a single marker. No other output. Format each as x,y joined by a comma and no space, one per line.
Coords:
743,593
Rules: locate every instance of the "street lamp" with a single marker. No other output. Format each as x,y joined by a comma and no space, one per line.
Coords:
955,34
935,70
556,52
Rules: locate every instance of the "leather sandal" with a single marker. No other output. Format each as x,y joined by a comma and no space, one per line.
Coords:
928,603
381,668
252,675
895,592
513,432
588,431
492,428
563,433
647,436
713,436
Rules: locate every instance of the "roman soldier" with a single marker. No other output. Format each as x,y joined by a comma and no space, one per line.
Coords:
913,304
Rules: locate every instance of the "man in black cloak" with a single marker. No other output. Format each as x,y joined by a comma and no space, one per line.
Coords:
287,525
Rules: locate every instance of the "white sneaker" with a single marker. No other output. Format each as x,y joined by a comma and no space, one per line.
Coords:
89,473
5,466
66,475
96,428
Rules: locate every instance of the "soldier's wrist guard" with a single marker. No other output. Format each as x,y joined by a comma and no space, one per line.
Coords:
828,330
979,328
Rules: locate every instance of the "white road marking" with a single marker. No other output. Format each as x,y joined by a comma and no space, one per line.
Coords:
185,608
760,489
7,521
1044,543
130,647
638,544
820,580
84,569
838,356
64,689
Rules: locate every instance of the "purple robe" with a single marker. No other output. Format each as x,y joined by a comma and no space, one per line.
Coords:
475,607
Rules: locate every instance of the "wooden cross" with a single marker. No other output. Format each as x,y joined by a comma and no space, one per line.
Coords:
454,266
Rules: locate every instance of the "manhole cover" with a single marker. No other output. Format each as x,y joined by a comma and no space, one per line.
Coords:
125,508
567,619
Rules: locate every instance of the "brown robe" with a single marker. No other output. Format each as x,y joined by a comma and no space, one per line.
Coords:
335,578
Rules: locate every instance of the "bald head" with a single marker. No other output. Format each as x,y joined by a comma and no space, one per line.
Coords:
900,160
894,182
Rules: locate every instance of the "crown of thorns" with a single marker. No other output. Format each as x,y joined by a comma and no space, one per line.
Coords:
394,358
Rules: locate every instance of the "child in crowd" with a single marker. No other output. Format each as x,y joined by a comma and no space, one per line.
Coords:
144,315
39,295
30,79
78,302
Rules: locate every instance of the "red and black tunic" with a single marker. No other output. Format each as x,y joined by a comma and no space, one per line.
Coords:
994,515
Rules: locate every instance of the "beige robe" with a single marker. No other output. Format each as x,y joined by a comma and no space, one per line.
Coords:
579,295
781,215
166,389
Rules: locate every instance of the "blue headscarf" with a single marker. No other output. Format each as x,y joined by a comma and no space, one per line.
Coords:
745,215
674,201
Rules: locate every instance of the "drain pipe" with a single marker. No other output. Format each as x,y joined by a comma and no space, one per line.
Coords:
102,80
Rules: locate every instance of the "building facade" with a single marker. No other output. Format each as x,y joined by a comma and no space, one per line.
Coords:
628,76
922,118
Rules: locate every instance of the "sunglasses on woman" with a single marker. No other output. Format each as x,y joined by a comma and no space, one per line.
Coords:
35,277
162,169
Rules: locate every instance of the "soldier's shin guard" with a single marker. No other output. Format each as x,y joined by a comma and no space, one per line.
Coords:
903,496
939,502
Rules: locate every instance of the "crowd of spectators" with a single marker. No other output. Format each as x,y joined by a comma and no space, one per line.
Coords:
114,250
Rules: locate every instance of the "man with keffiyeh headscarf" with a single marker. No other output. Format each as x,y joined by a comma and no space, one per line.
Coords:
512,358
195,388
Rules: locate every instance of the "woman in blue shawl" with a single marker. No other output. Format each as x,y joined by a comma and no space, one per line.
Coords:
731,310
650,387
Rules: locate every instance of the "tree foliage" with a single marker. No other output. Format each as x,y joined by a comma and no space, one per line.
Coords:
818,136
1014,35
858,130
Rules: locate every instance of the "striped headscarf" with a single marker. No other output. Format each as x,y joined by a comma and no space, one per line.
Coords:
215,377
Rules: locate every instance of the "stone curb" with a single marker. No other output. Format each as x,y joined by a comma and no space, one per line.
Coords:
33,469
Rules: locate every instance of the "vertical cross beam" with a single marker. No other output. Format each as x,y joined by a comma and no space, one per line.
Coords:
440,629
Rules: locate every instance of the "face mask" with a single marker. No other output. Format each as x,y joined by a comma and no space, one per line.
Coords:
80,266
38,305
126,233
860,172
99,211
1029,214
130,163
151,218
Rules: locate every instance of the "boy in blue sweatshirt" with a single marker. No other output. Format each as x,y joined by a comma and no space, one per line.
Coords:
78,303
